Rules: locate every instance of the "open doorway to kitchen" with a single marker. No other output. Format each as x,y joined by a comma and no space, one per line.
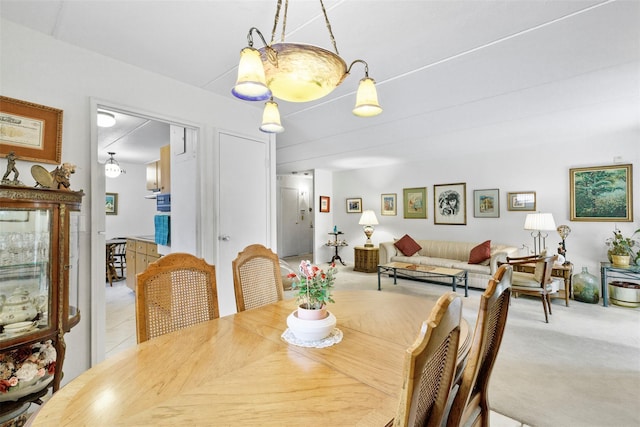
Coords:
136,140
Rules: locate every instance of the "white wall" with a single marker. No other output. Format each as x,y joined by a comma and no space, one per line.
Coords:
135,213
38,68
323,185
543,169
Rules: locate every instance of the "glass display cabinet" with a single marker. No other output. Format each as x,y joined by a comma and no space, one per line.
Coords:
38,287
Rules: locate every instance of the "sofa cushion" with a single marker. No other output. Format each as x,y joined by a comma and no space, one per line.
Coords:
407,245
480,253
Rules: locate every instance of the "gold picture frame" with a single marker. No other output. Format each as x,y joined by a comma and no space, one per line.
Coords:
354,205
415,202
111,203
388,204
32,131
521,201
601,193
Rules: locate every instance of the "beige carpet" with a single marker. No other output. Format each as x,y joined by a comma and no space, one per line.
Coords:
580,369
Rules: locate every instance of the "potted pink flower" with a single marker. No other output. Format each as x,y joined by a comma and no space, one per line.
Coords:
313,289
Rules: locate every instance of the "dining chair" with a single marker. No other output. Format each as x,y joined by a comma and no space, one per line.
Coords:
470,404
120,256
539,283
256,277
174,292
429,366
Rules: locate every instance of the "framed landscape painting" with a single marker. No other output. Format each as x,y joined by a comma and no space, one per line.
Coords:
521,201
486,203
415,202
601,193
388,204
111,203
450,204
354,205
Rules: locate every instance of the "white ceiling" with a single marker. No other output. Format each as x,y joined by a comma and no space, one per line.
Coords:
451,75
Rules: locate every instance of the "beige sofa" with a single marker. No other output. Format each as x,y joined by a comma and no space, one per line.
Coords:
442,253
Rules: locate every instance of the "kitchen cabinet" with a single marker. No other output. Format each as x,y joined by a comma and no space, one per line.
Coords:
39,283
159,172
141,252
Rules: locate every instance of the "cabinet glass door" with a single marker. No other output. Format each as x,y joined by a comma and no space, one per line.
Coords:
25,269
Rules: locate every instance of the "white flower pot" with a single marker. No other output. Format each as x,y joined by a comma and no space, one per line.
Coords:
311,330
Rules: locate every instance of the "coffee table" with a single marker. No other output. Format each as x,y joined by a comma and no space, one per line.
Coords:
427,274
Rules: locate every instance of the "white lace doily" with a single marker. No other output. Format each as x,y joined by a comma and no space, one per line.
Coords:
334,338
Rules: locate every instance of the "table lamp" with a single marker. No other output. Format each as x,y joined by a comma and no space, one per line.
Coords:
539,222
368,220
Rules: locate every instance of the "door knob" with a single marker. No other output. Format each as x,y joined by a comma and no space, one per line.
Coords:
224,238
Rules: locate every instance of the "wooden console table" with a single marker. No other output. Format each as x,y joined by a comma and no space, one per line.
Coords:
336,244
366,259
559,270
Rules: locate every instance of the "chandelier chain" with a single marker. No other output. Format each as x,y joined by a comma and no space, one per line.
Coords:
284,24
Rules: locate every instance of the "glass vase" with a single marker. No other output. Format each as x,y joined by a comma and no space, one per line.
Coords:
586,287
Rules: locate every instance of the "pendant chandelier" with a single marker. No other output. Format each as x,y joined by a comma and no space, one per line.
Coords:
296,72
112,168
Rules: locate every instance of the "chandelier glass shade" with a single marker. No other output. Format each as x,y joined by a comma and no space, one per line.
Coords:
271,118
297,72
112,167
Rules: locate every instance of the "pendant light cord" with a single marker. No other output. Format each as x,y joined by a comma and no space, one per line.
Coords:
284,24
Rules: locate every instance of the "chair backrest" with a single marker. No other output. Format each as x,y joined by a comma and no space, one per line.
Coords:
176,291
543,269
487,337
430,364
256,277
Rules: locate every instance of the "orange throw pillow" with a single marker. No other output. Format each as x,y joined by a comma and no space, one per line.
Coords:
407,245
480,253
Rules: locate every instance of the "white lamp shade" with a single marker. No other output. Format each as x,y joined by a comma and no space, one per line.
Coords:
271,118
112,170
539,221
367,99
251,84
368,218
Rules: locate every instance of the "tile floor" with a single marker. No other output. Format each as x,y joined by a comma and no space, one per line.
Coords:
121,333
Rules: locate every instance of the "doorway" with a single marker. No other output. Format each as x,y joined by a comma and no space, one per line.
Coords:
136,143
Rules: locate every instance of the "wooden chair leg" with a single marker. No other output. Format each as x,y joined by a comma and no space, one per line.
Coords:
544,305
549,303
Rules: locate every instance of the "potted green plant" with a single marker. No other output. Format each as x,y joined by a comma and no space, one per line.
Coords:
621,248
313,289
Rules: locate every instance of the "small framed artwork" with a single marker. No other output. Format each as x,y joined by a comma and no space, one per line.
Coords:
31,131
388,204
354,205
111,203
521,201
486,203
450,204
415,202
325,204
601,193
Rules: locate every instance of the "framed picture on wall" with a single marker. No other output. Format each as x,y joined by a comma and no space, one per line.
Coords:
601,193
486,203
521,201
111,203
31,131
450,204
388,204
354,205
415,202
325,204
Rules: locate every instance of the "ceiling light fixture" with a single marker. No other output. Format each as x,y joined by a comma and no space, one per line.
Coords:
106,120
297,72
112,168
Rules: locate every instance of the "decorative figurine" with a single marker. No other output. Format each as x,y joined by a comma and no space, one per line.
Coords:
11,167
563,231
61,176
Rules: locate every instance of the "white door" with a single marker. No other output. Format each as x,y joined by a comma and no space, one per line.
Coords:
288,222
244,185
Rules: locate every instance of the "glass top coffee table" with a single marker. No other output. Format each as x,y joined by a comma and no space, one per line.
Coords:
425,273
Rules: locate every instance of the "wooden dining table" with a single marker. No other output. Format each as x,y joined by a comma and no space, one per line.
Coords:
237,370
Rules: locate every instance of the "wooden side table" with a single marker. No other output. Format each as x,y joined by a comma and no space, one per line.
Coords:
366,259
559,270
